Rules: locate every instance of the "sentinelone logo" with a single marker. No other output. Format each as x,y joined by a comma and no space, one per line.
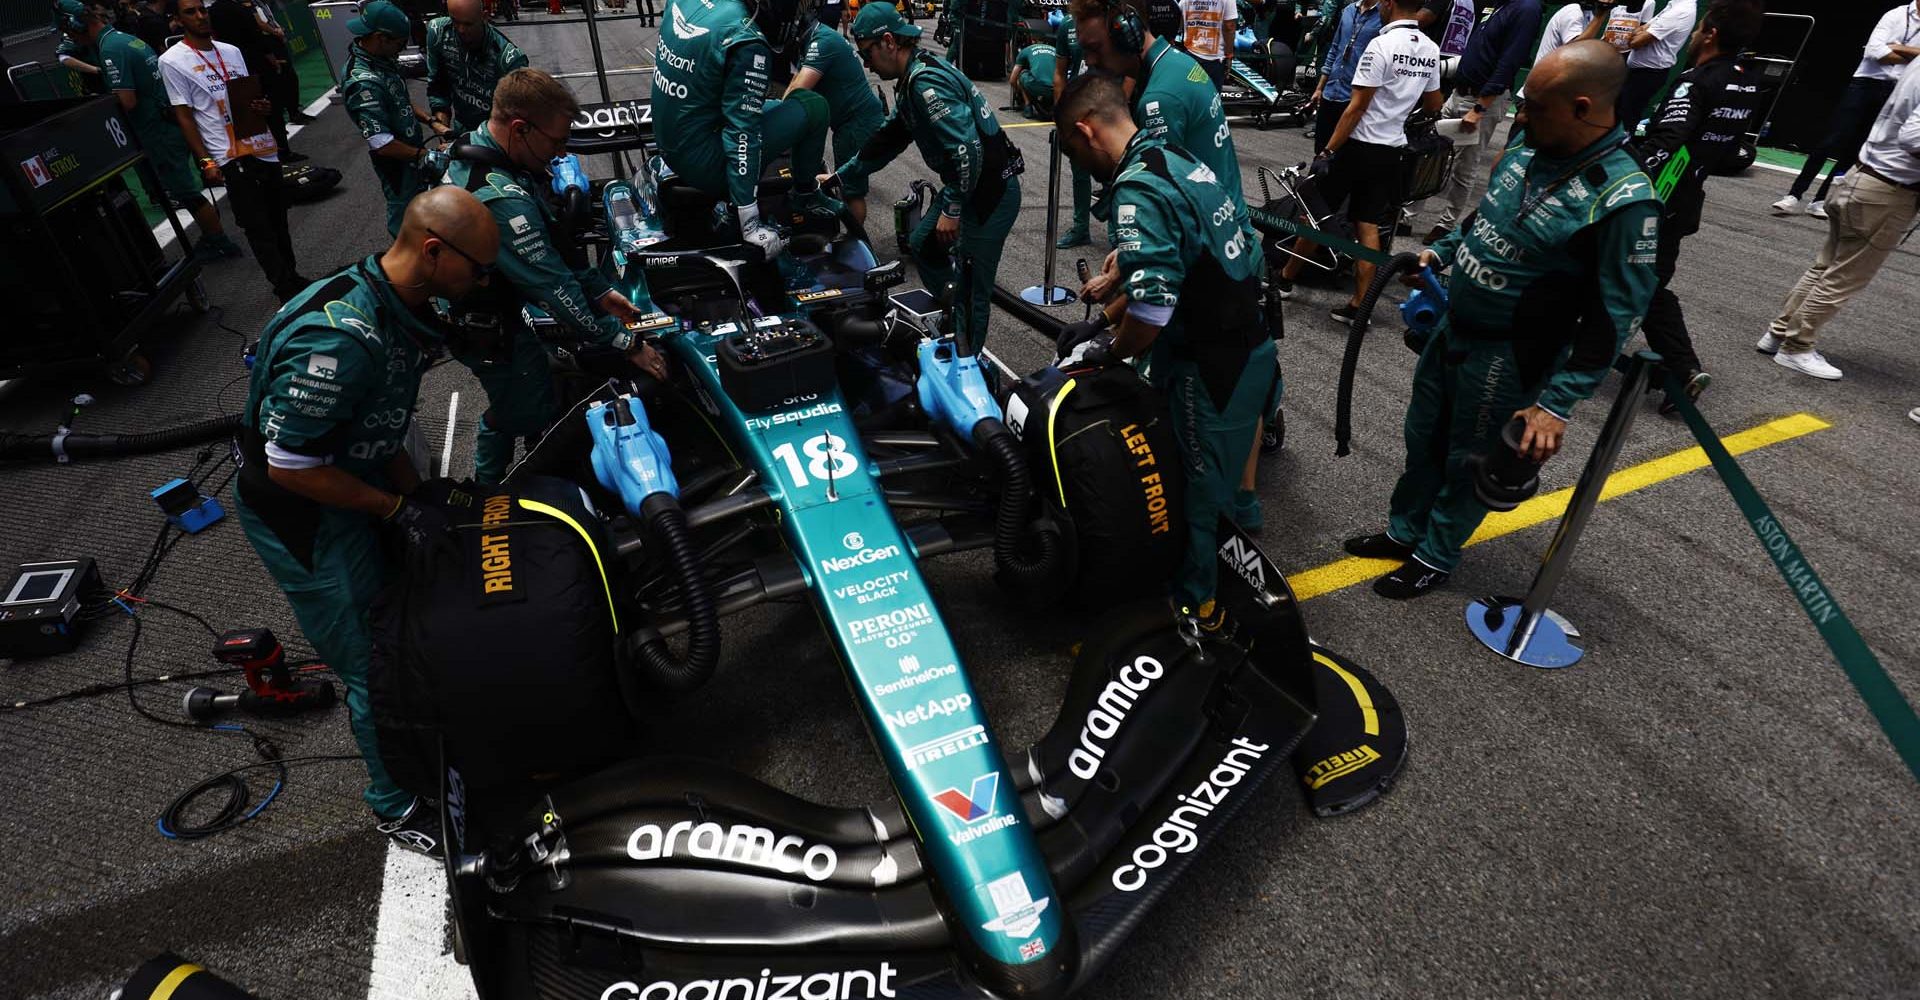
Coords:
1179,833
819,986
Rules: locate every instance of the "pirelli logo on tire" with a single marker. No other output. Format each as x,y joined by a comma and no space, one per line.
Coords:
1340,765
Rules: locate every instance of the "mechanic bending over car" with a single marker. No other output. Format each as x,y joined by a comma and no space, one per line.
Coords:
939,110
830,67
1551,275
1031,82
505,164
466,57
335,378
375,95
1068,64
711,115
1190,295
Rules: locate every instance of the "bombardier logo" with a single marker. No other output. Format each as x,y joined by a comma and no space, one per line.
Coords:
851,984
1245,559
747,845
860,558
684,29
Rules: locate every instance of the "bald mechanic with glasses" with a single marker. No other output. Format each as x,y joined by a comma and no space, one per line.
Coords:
505,163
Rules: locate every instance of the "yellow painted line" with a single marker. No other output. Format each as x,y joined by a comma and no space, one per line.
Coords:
1026,124
1346,572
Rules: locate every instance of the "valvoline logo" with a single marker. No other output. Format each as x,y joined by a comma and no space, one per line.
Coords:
976,804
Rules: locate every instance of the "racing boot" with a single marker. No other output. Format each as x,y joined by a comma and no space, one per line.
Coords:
1413,579
417,829
1075,237
1695,383
816,211
1377,546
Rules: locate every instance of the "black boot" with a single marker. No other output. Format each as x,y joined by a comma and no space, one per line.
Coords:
1413,579
1380,546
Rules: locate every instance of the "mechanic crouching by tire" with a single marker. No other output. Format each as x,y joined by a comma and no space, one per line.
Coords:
1563,241
939,110
504,163
1186,287
334,382
711,113
828,66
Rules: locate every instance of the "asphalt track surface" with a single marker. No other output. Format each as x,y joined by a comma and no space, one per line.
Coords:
1702,808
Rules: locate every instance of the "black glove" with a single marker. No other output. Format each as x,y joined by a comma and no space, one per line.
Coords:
420,526
1321,165
1073,335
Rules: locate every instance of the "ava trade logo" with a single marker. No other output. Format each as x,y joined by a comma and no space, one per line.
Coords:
975,808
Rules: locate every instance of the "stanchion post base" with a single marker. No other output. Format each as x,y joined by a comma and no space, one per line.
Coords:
1553,643
1039,297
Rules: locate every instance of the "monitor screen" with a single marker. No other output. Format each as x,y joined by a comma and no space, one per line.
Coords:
39,585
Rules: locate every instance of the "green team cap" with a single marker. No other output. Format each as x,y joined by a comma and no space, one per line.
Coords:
876,19
383,17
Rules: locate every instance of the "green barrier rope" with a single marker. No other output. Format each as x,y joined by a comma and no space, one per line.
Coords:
1889,707
1270,223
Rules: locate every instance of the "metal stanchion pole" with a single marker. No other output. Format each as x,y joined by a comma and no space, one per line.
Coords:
599,61
1046,293
1527,631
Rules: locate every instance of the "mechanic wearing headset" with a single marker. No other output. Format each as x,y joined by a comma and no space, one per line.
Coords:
466,57
1702,123
1551,275
505,164
1191,298
335,378
375,95
939,110
712,117
1031,82
830,68
1067,64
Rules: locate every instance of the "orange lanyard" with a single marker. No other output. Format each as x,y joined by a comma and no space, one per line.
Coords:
225,75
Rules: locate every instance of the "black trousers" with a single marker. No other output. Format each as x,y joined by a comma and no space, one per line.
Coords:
1665,325
1326,118
260,205
1636,93
1852,121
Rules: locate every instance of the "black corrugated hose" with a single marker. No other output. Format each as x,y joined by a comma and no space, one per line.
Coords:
668,524
1010,520
1401,263
51,447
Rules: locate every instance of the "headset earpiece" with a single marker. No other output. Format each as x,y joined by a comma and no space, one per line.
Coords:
1123,27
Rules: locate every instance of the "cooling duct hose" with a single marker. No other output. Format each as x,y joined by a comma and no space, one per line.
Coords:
1010,521
1028,313
667,523
1402,263
58,445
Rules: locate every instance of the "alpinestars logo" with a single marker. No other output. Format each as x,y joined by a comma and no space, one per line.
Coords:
684,29
1245,559
976,808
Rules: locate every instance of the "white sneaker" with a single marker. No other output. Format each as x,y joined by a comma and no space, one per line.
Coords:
1768,343
1914,414
1818,209
1788,206
1807,363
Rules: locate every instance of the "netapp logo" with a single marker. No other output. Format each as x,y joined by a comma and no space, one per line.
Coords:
860,558
819,986
931,710
1109,711
748,845
1179,833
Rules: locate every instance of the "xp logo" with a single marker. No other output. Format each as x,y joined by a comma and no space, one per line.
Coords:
853,540
976,804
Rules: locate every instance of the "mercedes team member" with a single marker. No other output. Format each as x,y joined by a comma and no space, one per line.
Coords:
1549,280
711,113
1068,64
466,57
831,68
132,72
375,95
505,164
334,383
1400,69
1031,81
1495,52
938,109
1359,23
1702,123
1191,298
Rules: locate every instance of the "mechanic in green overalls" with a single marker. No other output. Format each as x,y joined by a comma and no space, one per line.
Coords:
84,61
466,57
505,164
939,110
335,378
829,67
131,71
711,115
1189,300
1067,65
376,96
1031,82
1551,275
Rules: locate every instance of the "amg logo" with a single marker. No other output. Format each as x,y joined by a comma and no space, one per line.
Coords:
1246,560
496,563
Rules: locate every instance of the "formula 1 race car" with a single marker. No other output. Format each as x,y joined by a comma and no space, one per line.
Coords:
823,434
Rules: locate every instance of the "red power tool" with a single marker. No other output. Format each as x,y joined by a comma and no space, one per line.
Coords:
272,690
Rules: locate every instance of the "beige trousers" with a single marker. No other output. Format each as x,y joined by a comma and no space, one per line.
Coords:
1866,218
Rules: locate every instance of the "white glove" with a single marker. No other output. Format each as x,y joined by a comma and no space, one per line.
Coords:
756,234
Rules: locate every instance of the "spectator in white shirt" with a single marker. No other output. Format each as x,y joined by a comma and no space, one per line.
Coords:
1894,43
1567,24
1652,51
1208,27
